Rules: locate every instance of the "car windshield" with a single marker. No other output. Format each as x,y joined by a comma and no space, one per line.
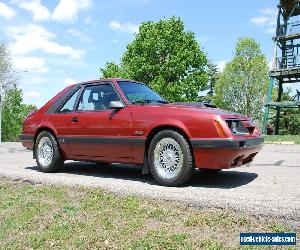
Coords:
137,93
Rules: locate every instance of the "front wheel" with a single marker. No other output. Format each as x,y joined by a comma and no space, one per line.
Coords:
170,158
48,155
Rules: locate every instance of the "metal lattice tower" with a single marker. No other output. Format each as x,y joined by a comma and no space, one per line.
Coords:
286,58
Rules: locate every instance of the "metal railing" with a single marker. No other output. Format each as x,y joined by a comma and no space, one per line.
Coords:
287,62
288,29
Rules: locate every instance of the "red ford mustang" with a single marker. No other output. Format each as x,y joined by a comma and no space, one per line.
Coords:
117,120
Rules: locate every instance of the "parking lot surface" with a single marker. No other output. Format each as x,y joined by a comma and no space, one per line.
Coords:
270,186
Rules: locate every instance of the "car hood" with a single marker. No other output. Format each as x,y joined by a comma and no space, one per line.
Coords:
202,108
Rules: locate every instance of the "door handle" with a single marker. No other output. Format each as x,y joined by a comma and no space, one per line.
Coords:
75,119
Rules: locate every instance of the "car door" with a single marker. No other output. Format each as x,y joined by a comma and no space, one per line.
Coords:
96,132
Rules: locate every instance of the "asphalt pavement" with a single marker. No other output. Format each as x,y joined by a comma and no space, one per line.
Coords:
270,186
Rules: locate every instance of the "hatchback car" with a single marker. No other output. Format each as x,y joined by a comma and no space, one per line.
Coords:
123,121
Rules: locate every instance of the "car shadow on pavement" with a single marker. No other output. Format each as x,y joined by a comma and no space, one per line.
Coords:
225,180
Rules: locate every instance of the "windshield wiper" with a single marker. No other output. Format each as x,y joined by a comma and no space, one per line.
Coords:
146,101
161,101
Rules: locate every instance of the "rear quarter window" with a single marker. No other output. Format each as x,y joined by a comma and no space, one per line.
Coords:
69,104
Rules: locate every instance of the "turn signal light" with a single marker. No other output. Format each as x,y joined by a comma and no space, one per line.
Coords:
256,131
219,129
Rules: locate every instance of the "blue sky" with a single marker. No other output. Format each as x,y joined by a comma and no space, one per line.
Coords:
56,43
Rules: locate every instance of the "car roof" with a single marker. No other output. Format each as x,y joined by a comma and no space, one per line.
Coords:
105,80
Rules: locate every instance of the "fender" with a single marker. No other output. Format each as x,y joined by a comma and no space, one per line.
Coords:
46,125
169,122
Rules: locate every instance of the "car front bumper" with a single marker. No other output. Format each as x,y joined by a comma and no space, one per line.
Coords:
225,153
27,140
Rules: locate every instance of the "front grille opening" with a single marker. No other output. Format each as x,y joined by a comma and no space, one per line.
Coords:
237,127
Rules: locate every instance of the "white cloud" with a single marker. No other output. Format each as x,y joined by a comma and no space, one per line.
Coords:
271,30
260,20
33,37
125,27
32,95
30,64
6,12
221,65
76,33
34,79
88,20
67,10
268,20
69,81
39,11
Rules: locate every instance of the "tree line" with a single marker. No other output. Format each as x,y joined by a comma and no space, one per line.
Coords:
13,110
170,60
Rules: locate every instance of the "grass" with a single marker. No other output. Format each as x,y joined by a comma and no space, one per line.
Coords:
51,217
283,138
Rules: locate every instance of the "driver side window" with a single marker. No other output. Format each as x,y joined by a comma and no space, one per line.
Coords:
97,97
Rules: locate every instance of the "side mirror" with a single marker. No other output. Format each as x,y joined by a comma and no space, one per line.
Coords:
116,105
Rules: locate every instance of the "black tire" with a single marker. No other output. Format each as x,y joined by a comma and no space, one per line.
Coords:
57,160
187,168
210,171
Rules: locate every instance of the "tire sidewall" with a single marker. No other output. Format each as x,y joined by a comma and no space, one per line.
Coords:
56,157
187,167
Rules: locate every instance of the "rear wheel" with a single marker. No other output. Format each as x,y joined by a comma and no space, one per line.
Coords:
170,158
48,155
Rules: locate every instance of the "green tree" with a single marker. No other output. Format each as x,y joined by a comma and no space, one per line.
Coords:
289,122
167,58
243,84
13,114
112,69
7,74
213,76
